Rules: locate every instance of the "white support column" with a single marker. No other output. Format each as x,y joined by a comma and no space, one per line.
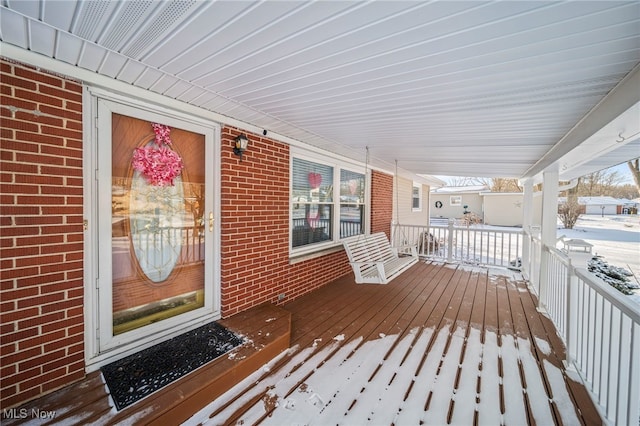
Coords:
549,226
527,221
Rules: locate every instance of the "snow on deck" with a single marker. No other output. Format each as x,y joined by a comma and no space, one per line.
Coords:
439,345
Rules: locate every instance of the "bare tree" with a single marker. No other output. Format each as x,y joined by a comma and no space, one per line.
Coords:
627,191
460,181
590,183
570,211
634,167
505,185
601,182
493,184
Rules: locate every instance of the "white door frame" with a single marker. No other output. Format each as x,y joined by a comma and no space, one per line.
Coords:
101,347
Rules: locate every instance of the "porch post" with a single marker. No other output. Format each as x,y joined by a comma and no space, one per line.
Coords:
527,221
549,227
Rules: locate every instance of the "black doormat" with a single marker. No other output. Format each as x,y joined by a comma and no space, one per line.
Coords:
136,376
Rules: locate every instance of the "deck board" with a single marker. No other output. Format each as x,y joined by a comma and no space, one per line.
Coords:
439,344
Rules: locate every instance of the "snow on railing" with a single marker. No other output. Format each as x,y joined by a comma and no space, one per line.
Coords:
476,244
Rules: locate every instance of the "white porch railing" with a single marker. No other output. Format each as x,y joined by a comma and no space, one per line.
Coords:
451,243
535,258
600,328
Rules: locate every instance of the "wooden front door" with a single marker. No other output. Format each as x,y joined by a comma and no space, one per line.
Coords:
156,220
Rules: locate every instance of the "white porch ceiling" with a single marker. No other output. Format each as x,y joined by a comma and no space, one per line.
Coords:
459,88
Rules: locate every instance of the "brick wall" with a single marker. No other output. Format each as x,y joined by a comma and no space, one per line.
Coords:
381,202
41,235
255,229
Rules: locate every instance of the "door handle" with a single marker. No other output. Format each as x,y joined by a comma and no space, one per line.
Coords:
211,221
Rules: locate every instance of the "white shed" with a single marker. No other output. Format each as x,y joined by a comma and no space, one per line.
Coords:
600,205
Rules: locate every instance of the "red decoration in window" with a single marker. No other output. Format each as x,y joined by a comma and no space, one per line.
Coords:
159,164
315,179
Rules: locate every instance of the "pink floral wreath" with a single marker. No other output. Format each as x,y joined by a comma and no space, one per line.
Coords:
159,164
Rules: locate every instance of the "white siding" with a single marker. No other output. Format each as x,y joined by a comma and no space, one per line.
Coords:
598,209
405,214
473,201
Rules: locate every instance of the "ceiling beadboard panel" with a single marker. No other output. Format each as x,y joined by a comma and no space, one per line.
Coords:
42,38
149,78
68,48
131,71
112,64
59,14
188,35
13,28
231,34
454,88
91,56
92,18
163,23
30,9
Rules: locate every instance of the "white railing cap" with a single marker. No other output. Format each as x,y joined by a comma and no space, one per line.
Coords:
621,301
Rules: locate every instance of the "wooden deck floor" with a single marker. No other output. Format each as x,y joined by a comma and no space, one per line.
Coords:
441,344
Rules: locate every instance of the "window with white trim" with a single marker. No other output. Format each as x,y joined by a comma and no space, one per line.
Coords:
455,200
327,203
416,197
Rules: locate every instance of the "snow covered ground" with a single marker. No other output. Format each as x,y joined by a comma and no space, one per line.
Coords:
615,238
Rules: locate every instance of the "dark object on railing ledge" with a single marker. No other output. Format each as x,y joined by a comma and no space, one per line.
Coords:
615,276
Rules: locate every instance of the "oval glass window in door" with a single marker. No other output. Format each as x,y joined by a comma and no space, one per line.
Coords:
156,215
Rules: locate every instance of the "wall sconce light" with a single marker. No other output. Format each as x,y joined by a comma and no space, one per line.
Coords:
241,143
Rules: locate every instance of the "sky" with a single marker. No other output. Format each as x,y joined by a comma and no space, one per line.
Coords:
622,169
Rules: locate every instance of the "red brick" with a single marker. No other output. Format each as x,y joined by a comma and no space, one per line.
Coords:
38,97
9,314
40,77
40,340
19,336
16,81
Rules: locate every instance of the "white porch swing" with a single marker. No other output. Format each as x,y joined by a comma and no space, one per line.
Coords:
372,257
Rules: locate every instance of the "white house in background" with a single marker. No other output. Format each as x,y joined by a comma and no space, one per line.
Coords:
600,205
495,208
604,205
450,201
